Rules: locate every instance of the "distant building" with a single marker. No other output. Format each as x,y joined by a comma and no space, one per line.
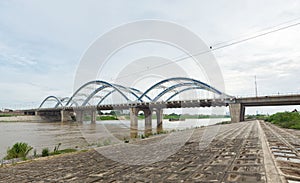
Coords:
8,110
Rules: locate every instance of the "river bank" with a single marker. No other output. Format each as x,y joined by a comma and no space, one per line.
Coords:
20,119
234,155
81,135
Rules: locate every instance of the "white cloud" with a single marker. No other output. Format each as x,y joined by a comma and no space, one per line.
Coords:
41,42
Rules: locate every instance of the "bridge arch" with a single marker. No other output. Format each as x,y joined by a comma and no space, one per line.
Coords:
168,88
132,89
59,102
191,84
62,101
183,90
103,85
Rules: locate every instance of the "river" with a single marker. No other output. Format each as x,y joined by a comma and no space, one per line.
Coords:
80,135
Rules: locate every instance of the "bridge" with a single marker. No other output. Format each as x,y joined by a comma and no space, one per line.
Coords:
90,98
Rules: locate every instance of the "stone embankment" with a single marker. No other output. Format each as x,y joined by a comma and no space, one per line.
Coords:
239,152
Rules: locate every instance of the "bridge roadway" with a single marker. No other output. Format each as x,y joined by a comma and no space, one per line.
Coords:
237,109
160,104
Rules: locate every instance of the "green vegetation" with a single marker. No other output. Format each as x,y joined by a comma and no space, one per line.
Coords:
19,150
285,119
257,116
107,118
45,152
183,116
114,114
6,115
172,116
34,153
56,148
106,142
202,116
111,113
192,116
101,143
63,151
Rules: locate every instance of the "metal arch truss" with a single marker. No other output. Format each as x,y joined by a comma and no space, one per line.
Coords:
182,85
182,81
122,90
59,101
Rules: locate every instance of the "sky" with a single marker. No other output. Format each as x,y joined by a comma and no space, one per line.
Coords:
42,42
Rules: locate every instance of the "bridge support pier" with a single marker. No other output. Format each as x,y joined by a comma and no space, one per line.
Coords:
93,116
79,116
134,122
148,122
66,115
237,112
159,116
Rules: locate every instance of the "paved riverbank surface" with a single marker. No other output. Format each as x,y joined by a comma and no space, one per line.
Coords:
241,152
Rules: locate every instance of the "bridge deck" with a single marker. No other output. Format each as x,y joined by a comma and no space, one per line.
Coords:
170,104
270,100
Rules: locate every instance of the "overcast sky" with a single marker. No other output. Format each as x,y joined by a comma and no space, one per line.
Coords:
41,42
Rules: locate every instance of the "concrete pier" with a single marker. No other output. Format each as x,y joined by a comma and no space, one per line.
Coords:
237,112
134,111
93,116
79,116
148,122
66,116
134,122
159,115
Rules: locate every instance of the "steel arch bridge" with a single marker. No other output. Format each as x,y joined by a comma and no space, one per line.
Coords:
95,92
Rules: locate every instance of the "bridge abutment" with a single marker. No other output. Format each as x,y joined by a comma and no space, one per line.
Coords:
237,112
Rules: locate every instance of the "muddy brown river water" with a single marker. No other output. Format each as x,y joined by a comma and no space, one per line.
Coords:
79,135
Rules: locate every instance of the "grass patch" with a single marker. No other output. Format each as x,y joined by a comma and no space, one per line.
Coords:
101,143
107,118
19,150
45,152
63,151
7,115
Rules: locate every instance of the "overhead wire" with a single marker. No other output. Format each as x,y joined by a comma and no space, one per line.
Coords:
229,43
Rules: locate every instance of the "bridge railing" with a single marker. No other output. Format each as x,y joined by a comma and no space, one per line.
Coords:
268,94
